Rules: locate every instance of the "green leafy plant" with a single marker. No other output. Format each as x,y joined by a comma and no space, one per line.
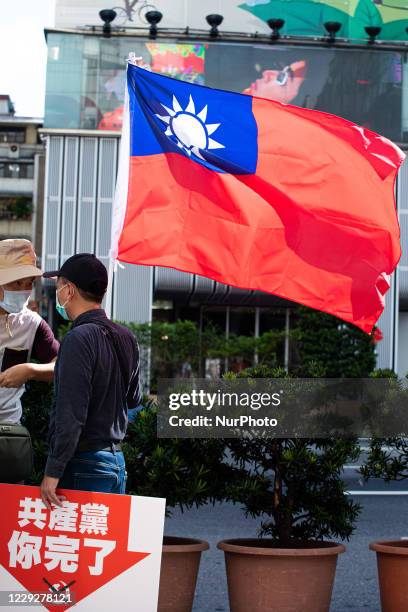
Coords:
186,472
37,402
16,207
172,344
295,485
341,350
22,208
63,329
387,457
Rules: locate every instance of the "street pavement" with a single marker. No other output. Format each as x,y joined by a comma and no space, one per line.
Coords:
384,516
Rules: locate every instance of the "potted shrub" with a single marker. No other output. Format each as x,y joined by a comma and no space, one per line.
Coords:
186,472
295,487
388,459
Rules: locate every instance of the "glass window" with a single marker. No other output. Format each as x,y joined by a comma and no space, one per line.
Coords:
15,135
9,170
272,319
86,77
242,321
215,316
26,171
163,310
16,170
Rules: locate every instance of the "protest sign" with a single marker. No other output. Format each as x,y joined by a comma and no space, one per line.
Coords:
95,552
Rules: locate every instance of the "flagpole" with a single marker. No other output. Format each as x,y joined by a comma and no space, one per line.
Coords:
119,201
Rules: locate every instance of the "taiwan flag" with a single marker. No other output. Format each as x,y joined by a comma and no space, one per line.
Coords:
257,194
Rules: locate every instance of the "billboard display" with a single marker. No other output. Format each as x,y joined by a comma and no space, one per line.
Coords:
86,78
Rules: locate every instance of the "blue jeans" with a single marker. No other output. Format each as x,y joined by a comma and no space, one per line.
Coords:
100,471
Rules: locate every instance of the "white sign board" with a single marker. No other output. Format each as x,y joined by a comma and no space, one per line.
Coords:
97,552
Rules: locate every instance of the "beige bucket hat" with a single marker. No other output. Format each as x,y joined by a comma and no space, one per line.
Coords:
17,260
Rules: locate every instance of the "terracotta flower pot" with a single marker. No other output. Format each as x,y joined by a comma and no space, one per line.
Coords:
264,578
178,575
392,562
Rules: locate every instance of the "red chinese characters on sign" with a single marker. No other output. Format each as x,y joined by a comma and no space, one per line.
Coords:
81,545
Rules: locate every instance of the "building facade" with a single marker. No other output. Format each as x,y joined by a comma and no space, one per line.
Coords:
83,114
21,175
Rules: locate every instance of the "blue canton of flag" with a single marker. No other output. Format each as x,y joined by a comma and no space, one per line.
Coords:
214,128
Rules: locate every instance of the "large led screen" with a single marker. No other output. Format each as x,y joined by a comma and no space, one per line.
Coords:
86,78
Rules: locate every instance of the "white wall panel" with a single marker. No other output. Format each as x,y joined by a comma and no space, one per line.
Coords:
52,208
69,198
88,165
107,167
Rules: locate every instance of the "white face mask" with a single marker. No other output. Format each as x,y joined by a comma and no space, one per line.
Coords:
14,301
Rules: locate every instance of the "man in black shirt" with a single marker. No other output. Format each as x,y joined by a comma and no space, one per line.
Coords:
96,381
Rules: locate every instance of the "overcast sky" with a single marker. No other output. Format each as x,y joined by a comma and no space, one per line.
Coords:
23,53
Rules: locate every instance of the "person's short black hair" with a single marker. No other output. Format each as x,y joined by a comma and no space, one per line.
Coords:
91,297
86,295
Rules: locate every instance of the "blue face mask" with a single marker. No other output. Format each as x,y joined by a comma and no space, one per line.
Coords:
61,309
14,301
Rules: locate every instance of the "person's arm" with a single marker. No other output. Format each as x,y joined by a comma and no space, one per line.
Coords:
18,375
134,395
41,371
72,396
45,349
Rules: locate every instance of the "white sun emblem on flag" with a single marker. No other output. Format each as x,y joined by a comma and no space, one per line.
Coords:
189,128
